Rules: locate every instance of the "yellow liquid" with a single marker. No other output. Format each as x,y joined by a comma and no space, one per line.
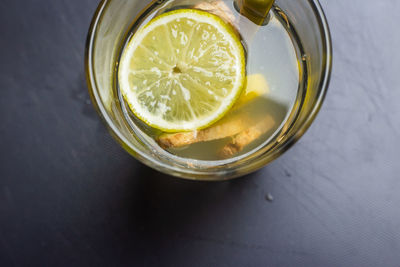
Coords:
273,52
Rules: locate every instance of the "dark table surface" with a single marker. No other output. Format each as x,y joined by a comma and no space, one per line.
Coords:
70,196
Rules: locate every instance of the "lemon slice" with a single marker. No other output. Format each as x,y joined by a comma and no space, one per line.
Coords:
182,71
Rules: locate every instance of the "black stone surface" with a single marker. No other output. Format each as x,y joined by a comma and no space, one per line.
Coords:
70,196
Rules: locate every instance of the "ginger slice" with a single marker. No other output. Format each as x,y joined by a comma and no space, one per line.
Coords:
247,136
218,8
230,126
235,122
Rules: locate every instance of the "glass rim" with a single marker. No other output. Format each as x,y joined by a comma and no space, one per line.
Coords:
194,173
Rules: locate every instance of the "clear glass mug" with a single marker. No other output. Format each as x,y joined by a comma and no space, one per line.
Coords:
111,22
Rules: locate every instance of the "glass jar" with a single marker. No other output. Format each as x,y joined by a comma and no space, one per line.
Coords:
110,24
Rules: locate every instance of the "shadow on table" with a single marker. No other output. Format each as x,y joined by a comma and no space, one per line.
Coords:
163,207
158,194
